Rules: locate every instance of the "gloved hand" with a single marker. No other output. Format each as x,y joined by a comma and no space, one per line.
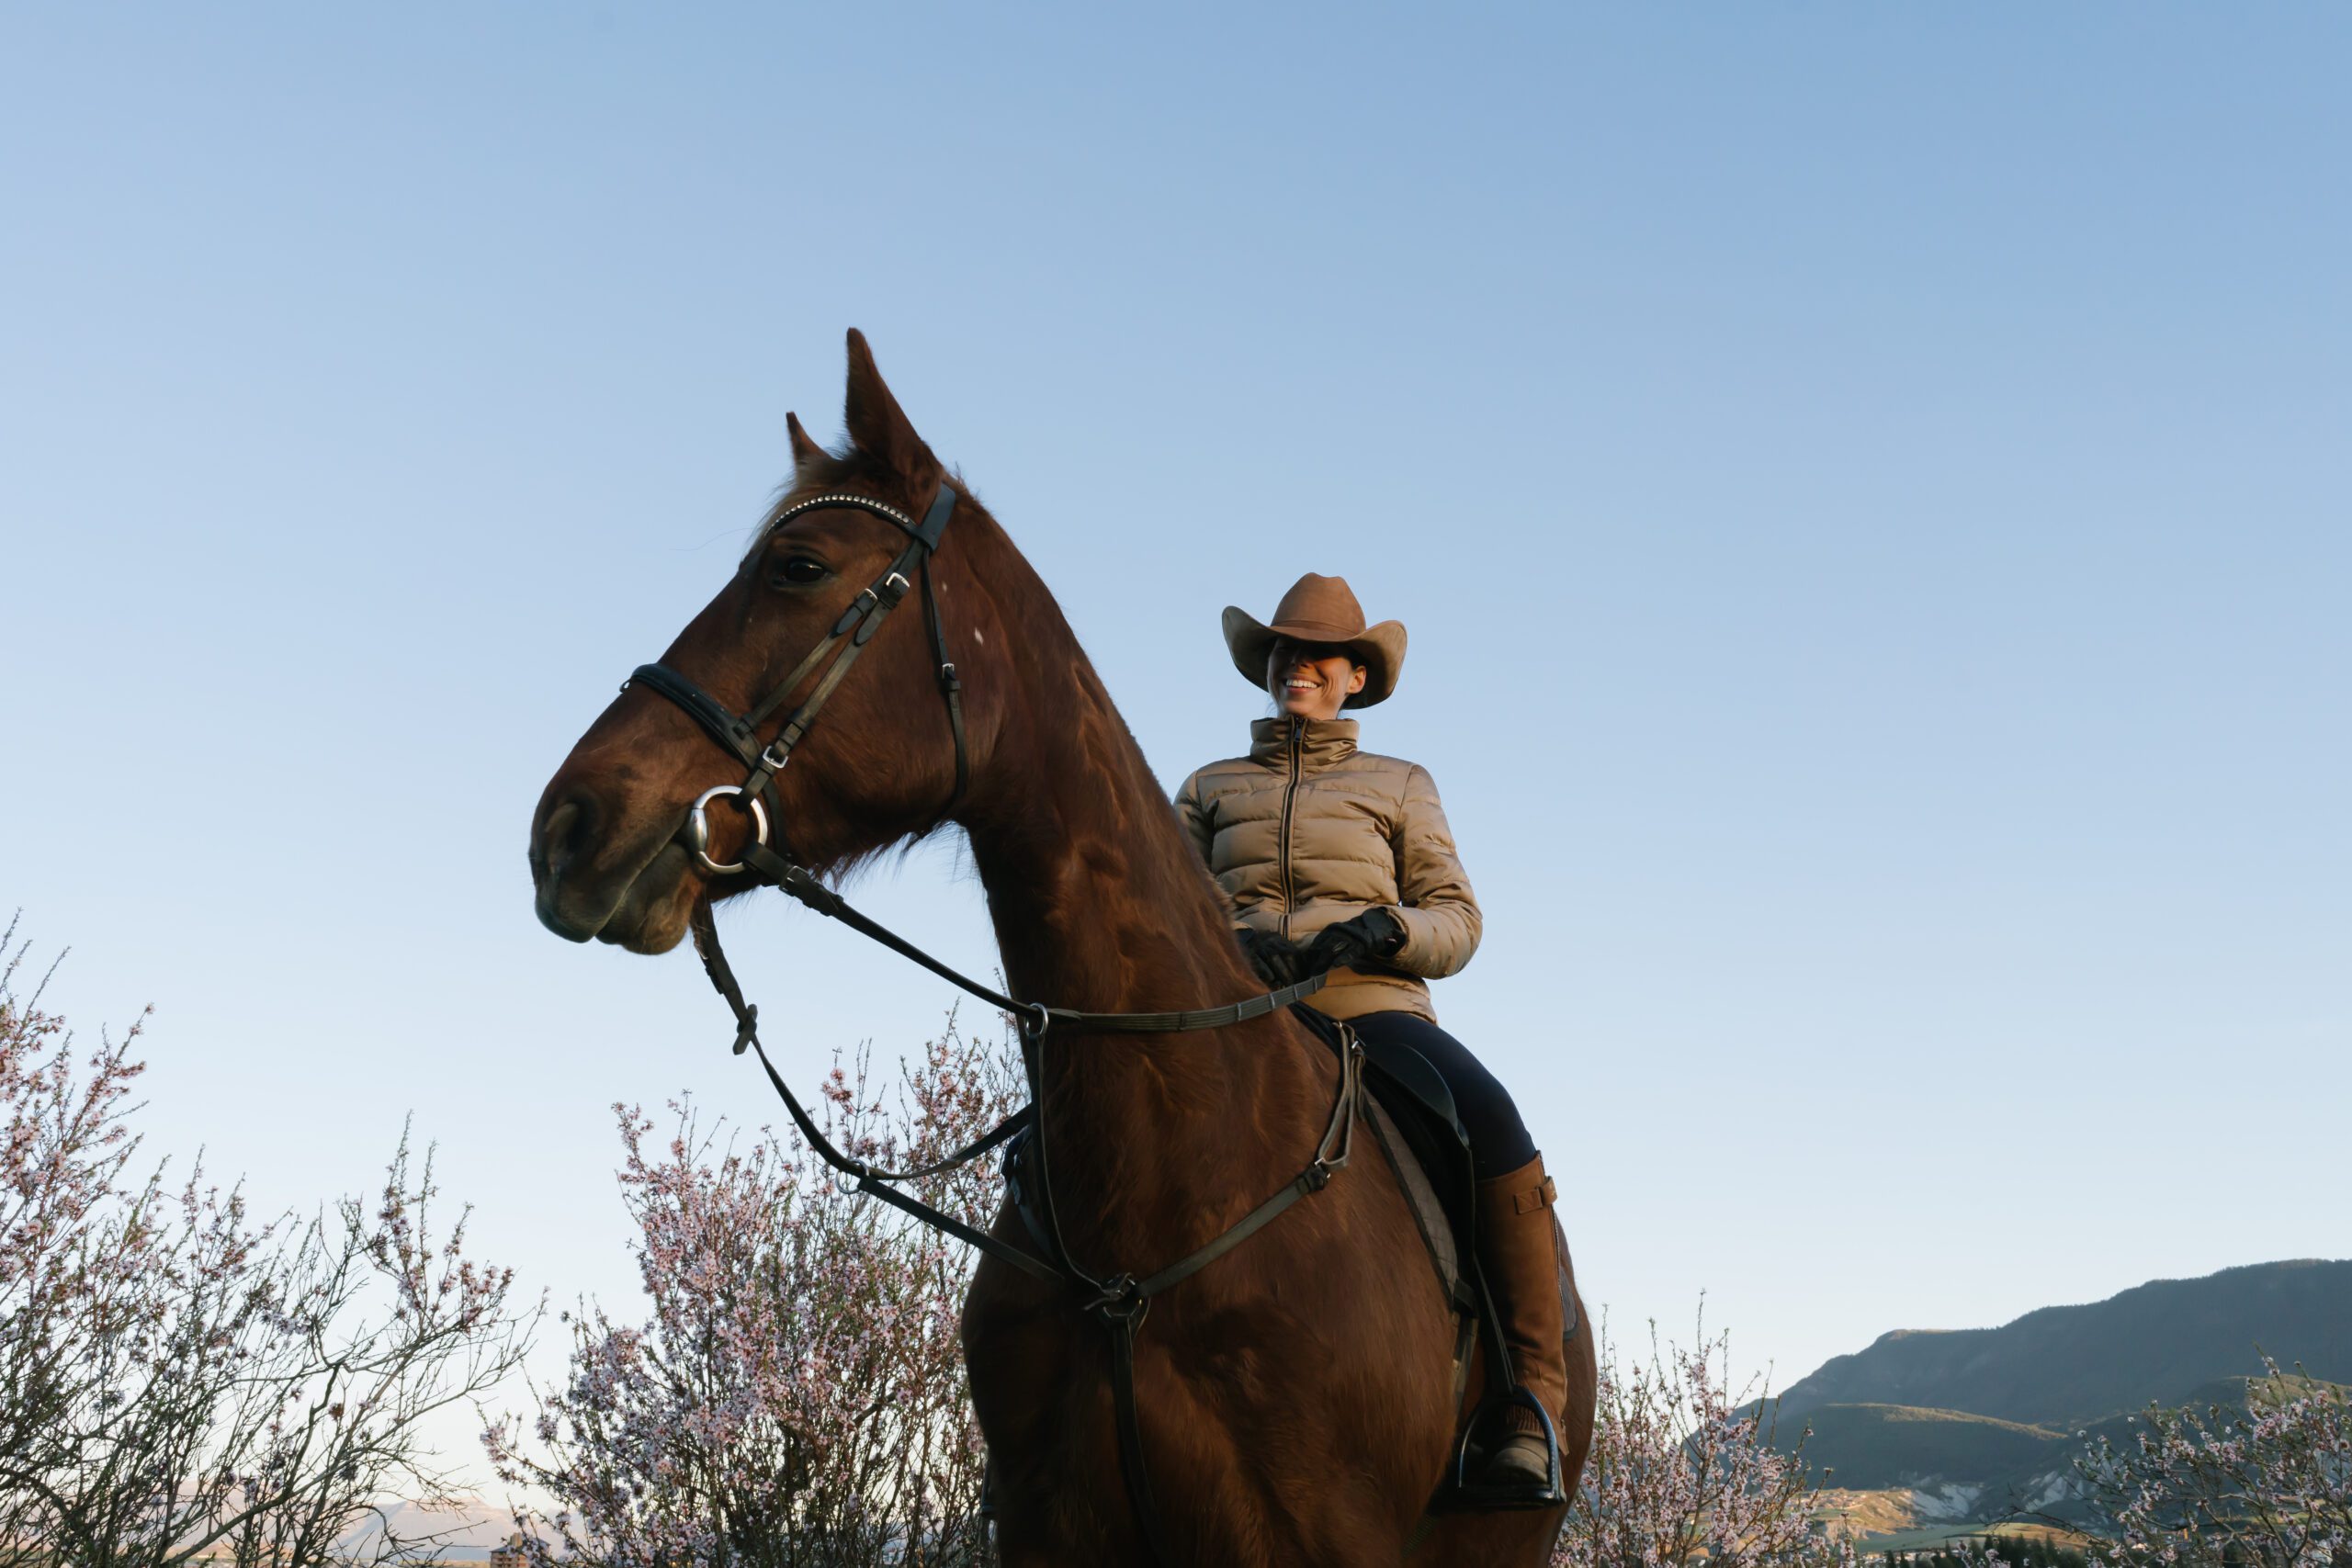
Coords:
1375,933
1276,960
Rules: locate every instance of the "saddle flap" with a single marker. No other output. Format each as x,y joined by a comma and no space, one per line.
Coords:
1420,1196
1412,1117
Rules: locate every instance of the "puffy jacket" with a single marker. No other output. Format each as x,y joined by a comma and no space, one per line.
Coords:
1307,832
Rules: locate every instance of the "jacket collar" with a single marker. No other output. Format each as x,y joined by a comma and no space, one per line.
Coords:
1322,743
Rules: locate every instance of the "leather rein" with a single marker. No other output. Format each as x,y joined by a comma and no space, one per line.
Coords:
1119,1300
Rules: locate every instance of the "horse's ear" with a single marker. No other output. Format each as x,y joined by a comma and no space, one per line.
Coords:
805,450
876,423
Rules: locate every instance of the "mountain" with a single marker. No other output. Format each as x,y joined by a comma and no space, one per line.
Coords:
1898,1468
1874,1446
2062,1368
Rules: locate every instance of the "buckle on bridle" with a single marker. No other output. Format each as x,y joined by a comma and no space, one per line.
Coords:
775,756
699,826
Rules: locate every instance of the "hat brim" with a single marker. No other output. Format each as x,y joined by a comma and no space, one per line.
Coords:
1379,649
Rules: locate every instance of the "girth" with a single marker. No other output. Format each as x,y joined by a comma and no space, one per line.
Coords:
1118,1299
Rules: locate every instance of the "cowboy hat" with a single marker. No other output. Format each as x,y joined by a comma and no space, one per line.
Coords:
1319,609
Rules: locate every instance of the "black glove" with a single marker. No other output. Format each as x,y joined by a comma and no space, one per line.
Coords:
1375,933
1277,961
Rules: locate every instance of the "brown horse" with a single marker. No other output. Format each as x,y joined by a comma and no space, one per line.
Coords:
1296,1395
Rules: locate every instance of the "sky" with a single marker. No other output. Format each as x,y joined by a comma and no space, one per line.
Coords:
1867,487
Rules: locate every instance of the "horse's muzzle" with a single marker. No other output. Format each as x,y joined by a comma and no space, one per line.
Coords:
588,886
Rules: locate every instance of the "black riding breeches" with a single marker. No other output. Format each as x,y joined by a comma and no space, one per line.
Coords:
1499,1140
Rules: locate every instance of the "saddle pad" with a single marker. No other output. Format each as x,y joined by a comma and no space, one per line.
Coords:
1429,1213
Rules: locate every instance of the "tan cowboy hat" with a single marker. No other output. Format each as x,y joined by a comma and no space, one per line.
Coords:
1319,609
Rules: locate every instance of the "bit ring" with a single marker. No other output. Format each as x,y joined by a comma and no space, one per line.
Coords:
699,826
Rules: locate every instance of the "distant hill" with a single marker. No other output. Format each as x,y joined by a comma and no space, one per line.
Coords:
2062,1368
1874,1446
1898,1469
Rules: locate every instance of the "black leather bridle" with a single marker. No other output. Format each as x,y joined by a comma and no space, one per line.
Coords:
1119,1300
740,733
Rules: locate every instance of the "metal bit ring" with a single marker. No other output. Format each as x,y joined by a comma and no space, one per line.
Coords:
699,826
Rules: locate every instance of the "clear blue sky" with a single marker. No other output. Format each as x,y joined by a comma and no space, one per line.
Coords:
1868,486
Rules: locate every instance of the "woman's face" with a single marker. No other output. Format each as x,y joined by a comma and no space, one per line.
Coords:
1310,679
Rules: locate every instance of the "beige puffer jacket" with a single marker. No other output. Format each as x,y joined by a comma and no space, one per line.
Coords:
1307,832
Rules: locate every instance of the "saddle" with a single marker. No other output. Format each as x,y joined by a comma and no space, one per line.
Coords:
1410,1113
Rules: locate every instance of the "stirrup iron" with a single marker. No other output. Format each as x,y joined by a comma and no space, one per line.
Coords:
1479,1497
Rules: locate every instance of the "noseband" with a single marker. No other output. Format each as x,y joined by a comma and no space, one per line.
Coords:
1119,1300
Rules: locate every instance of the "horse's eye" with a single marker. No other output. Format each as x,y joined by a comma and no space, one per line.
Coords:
800,572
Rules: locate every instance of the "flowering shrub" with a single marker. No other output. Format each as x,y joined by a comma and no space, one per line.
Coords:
1684,1471
1683,1468
796,1395
2268,1487
178,1381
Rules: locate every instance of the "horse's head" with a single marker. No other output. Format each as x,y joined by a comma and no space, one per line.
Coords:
605,852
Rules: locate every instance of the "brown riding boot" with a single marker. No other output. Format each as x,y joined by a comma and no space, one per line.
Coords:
1522,1265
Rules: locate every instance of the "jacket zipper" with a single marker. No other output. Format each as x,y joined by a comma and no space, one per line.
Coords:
1290,794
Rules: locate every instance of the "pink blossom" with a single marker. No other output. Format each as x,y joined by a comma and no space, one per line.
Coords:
796,1393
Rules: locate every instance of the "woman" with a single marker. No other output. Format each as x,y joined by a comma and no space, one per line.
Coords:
1339,861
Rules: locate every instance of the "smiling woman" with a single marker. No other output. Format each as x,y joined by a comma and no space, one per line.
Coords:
1317,842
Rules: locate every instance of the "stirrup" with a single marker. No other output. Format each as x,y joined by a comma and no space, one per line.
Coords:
1479,1496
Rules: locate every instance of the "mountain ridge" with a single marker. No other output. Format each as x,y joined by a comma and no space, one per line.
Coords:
2066,1367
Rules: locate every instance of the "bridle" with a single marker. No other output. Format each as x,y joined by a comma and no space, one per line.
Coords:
1120,1300
855,626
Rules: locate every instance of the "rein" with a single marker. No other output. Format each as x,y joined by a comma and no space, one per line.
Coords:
1119,1300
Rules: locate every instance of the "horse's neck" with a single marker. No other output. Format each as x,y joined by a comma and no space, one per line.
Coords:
1100,903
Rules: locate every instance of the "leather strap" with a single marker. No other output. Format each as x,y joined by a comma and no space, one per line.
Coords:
952,687
1129,1420
870,1179
802,884
723,726
1122,1302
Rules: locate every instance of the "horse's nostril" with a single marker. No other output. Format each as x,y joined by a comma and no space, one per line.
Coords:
565,833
